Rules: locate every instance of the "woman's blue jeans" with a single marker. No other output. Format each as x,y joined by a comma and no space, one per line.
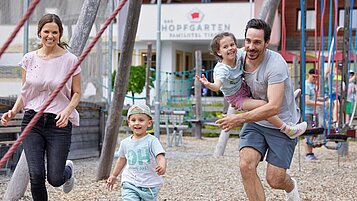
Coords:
45,139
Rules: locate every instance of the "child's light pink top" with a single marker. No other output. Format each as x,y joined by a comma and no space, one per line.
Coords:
42,78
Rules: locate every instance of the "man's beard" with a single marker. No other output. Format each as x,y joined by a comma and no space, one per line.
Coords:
255,54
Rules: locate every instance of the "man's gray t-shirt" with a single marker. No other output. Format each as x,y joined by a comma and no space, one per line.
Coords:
273,70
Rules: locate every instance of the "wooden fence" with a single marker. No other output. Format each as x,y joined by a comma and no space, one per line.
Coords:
86,139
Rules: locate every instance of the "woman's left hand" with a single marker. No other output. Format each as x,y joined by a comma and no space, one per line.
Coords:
62,119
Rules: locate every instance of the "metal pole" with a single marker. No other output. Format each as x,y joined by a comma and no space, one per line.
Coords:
26,30
303,54
251,8
110,54
158,80
302,65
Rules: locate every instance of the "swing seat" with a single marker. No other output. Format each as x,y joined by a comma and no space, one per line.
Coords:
351,133
314,131
316,141
337,137
319,142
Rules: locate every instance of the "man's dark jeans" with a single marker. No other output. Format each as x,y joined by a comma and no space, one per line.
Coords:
46,139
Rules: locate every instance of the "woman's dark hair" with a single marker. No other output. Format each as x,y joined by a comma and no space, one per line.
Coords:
49,18
214,46
259,24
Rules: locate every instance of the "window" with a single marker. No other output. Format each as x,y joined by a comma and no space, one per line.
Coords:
341,18
144,59
208,61
310,20
179,61
184,61
188,61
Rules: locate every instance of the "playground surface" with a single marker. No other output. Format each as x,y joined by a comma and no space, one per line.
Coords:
194,174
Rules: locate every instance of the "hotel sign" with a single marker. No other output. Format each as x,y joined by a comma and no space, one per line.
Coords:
193,21
194,28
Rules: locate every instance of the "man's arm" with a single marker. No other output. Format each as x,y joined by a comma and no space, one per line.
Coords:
275,95
310,102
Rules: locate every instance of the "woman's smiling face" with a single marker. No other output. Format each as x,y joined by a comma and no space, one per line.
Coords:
50,34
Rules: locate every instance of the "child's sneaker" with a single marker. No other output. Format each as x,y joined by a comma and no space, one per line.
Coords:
310,157
294,131
68,186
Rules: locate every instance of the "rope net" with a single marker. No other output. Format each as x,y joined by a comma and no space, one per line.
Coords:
177,90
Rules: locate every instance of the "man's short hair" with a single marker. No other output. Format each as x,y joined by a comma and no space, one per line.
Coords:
256,23
313,71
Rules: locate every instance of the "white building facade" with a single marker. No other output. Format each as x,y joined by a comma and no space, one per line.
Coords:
185,28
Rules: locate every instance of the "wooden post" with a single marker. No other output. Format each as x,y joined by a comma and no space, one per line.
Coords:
84,26
297,81
18,183
102,120
343,151
198,95
223,137
148,73
120,88
296,72
345,61
267,12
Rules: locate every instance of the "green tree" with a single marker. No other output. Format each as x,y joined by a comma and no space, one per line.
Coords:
136,82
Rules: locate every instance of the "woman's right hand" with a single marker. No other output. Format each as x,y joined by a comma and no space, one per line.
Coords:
7,116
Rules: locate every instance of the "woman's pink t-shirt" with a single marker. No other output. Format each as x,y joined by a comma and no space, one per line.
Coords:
42,78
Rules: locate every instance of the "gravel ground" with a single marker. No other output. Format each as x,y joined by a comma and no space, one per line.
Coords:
194,174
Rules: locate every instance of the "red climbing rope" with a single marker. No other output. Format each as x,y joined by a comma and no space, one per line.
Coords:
21,23
33,121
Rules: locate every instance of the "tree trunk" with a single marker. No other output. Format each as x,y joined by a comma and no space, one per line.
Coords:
19,180
120,88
